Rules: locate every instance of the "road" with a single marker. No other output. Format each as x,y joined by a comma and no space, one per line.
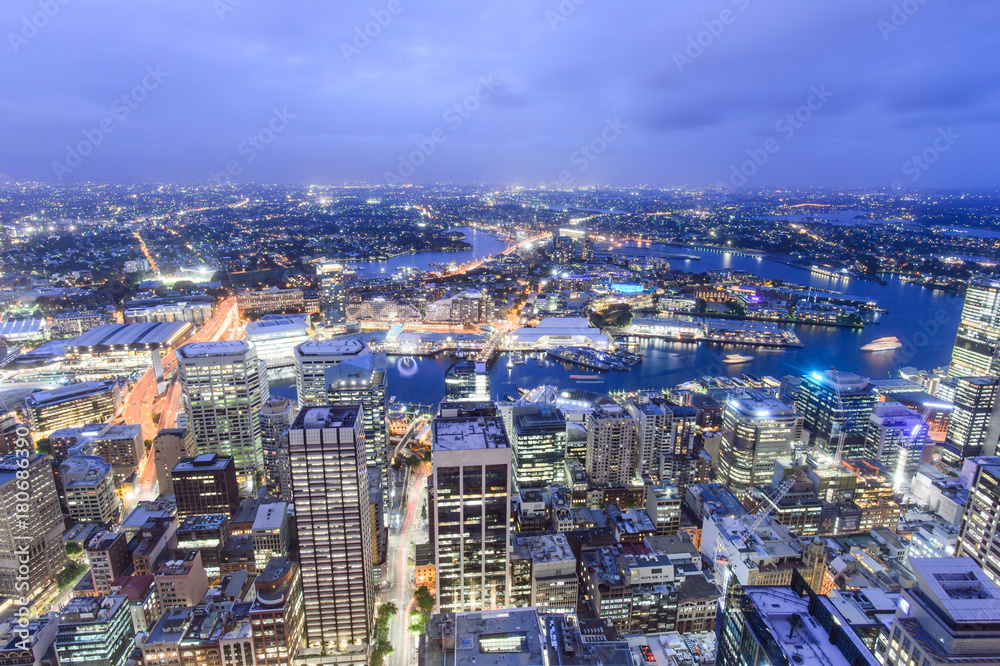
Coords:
401,593
143,402
472,265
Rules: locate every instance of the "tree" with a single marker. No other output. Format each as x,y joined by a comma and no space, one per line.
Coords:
425,600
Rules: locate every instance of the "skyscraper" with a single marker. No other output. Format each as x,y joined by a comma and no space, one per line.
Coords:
169,446
610,446
225,386
361,380
950,616
332,301
469,512
275,418
756,431
975,422
833,403
977,343
895,441
330,492
537,436
313,359
979,532
39,532
652,426
467,380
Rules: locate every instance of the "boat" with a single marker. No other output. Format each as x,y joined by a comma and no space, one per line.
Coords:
737,358
882,344
586,378
510,362
518,358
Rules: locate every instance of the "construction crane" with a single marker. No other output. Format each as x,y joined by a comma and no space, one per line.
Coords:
723,571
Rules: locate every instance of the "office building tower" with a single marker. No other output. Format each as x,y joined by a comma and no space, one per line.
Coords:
10,424
225,386
610,446
181,580
467,380
170,446
469,510
95,631
756,431
974,426
89,488
330,491
537,436
571,245
109,558
977,344
332,298
275,418
39,531
834,404
313,359
362,381
206,484
547,578
207,533
71,405
277,616
979,530
277,337
895,441
950,616
764,626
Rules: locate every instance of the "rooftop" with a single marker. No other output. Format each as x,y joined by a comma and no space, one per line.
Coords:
959,587
210,349
203,463
469,433
329,416
67,393
86,610
315,350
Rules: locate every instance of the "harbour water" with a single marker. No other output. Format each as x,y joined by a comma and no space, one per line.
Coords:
925,322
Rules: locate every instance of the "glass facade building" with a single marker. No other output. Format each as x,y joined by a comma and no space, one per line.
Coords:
977,343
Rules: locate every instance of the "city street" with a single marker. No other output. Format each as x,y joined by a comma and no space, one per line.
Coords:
400,571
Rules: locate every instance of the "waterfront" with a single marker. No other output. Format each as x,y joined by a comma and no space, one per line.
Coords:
924,320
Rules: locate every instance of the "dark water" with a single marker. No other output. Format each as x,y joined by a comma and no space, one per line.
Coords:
924,320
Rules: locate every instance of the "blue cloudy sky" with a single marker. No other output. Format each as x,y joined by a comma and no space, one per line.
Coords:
665,92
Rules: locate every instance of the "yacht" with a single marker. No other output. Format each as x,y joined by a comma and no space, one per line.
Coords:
737,358
882,344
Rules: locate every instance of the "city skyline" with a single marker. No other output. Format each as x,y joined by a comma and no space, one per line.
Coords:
887,94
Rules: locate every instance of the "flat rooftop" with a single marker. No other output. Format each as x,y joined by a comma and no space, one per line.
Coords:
328,416
209,349
959,587
67,393
206,462
318,349
113,337
793,629
461,434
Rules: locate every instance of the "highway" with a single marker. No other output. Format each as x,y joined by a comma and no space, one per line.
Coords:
401,592
142,402
472,265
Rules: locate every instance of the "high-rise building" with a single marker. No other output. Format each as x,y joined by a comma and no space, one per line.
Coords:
467,380
330,492
975,422
835,403
652,429
109,558
169,446
38,535
761,626
313,359
72,405
538,440
895,441
206,484
332,298
275,418
225,386
277,613
469,509
977,344
362,381
610,446
756,431
89,487
95,631
950,616
979,531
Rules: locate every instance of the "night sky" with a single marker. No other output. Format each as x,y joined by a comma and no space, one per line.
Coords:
843,93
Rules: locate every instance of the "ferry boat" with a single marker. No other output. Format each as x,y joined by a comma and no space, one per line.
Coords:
586,378
882,344
510,362
737,358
